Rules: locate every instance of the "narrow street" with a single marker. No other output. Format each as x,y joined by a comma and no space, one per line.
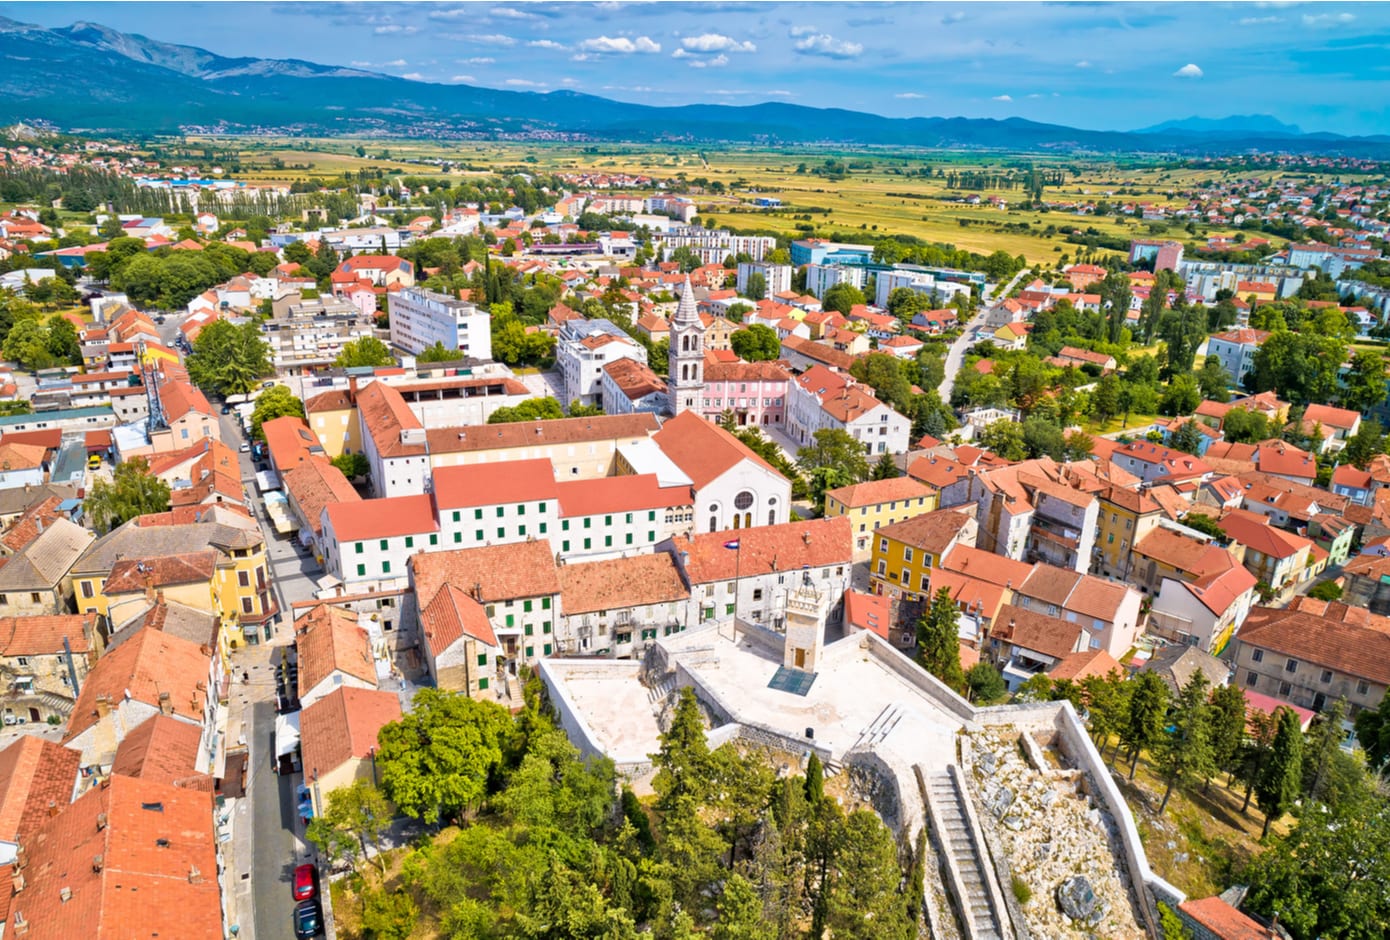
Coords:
955,358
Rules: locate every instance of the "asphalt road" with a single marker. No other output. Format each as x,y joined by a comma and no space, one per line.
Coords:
955,358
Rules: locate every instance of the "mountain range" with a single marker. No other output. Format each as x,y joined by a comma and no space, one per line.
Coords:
87,77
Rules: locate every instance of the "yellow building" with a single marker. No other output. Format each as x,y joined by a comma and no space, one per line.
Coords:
906,553
237,588
878,503
1125,517
332,416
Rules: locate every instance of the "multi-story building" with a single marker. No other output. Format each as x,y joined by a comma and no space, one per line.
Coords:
777,278
1108,611
878,503
305,336
584,348
749,574
1236,349
40,657
369,543
1282,560
1125,516
1313,653
820,399
333,417
734,487
617,607
38,579
420,318
756,392
821,277
905,553
628,386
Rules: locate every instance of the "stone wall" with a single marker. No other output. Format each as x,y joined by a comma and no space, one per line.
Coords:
914,675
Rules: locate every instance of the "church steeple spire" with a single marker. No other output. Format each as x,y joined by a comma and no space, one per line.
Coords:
687,355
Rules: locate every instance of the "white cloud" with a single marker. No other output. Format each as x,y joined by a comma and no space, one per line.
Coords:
909,95
1034,95
826,45
490,39
1327,19
525,83
544,44
392,28
1259,20
779,93
507,13
620,44
569,82
1083,64
955,17
478,60
802,31
361,65
717,62
633,88
413,76
1188,71
462,78
1001,98
714,42
451,13
581,57
396,64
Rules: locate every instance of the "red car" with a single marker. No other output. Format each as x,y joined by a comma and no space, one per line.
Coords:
306,882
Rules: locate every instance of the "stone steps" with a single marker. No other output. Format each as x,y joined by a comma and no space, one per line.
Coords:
661,688
971,884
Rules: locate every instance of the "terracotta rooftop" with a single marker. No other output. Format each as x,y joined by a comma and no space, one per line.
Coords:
329,640
43,635
343,725
383,518
145,666
289,441
1037,632
636,581
1255,533
28,526
158,866
634,379
619,494
932,532
163,749
874,492
1224,921
34,773
937,472
703,450
314,484
1350,648
490,572
540,433
489,484
790,546
450,616
987,566
336,399
137,574
1083,665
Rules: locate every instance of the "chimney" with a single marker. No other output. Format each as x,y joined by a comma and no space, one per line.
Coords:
21,926
159,596
101,821
52,808
65,894
17,881
195,877
166,706
98,862
103,706
38,521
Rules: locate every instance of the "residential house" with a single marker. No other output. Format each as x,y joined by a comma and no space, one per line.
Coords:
1024,643
338,738
1152,462
460,649
421,318
309,488
1313,653
333,652
1236,349
369,542
756,392
22,465
40,658
332,415
1333,425
37,580
749,574
165,750
36,776
1204,612
1282,560
1178,665
824,400
877,503
906,553
1126,516
628,386
619,606
1109,611
583,349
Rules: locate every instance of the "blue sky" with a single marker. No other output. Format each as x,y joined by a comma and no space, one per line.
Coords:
1322,66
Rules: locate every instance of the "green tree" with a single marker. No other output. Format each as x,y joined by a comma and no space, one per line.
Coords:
63,344
1043,438
1373,732
1323,744
389,915
275,402
132,491
905,303
1181,397
358,813
885,469
1227,728
985,684
1107,705
1363,446
863,900
531,409
353,466
435,762
1105,399
938,641
1148,704
842,298
1364,383
1281,781
741,913
1326,591
1214,381
756,343
1115,299
833,458
1187,438
756,286
1184,750
367,351
682,763
229,359
27,344
1005,439
437,353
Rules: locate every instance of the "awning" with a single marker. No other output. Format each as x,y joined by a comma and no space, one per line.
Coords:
286,733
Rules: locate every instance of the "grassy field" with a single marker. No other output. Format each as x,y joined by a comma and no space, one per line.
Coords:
884,191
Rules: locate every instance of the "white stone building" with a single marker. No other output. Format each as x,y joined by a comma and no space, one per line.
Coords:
420,318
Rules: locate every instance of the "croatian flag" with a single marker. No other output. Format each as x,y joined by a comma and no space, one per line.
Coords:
733,546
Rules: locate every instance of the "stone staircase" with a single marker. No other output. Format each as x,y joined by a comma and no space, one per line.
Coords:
879,728
969,876
661,688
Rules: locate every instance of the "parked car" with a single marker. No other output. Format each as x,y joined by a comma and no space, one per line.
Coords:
306,882
245,447
308,921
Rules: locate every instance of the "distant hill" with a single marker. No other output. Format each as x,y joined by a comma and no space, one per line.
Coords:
88,77
1237,124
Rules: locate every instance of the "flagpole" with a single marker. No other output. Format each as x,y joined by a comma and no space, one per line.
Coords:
738,584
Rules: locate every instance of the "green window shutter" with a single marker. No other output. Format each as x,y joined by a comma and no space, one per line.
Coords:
482,684
526,606
564,525
540,507
359,548
482,659
511,620
530,652
629,517
457,515
587,522
410,541
361,571
501,532
385,567
500,511
547,649
729,609
521,530
477,514
607,520
586,543
545,603
528,627
629,538
434,538
608,541
543,527
545,626
565,545
651,536
384,544
651,516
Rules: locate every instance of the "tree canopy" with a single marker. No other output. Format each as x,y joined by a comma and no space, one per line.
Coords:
132,491
229,359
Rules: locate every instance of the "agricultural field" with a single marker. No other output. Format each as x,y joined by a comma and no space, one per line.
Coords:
881,191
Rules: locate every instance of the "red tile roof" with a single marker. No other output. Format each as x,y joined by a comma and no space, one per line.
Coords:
452,615
163,749
382,518
490,484
158,871
329,640
933,532
987,566
874,492
316,483
1224,921
1037,632
634,581
497,572
137,574
33,774
1354,649
872,612
289,441
147,664
813,543
344,725
703,450
604,495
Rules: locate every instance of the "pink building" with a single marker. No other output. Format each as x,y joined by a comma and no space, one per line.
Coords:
756,392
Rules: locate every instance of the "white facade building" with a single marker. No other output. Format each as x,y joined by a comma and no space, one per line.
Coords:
777,276
821,277
584,348
420,318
